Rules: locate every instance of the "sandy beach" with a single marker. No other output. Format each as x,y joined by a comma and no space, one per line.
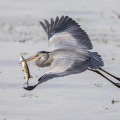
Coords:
84,96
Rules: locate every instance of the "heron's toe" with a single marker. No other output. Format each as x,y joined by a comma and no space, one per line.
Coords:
119,79
117,84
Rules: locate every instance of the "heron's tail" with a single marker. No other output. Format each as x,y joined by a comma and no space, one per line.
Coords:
95,61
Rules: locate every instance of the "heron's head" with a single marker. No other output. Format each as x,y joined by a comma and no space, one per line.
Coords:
38,55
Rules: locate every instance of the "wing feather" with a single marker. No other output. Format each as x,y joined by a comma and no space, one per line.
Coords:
46,22
51,25
43,25
64,64
47,26
61,28
60,21
55,23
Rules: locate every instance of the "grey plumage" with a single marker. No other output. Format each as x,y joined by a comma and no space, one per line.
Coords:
67,27
71,54
95,61
64,62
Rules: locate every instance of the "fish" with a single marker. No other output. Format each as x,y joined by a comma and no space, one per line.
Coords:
25,69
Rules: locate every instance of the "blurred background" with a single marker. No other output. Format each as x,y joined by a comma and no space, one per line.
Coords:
83,96
98,18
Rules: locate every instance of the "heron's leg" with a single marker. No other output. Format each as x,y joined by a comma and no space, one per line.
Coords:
110,74
98,72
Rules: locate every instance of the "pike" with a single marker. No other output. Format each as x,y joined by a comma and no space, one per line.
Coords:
25,69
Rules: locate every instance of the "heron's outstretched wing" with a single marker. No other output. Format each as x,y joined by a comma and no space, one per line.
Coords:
64,32
65,65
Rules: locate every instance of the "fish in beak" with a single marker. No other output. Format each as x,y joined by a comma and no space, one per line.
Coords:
25,69
30,58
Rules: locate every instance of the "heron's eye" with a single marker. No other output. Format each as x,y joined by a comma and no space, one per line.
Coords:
36,55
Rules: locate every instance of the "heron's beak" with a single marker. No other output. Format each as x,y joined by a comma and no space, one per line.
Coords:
30,58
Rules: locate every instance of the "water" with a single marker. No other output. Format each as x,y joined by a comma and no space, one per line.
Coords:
83,96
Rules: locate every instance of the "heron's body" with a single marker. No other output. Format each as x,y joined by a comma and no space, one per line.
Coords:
72,50
92,59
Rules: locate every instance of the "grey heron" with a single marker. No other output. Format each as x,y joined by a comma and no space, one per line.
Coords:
72,53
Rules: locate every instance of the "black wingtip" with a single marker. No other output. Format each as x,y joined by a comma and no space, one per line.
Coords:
30,87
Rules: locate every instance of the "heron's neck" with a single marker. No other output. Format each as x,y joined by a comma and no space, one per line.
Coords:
48,61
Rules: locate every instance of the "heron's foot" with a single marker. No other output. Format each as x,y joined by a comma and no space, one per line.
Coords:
117,84
118,79
29,87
